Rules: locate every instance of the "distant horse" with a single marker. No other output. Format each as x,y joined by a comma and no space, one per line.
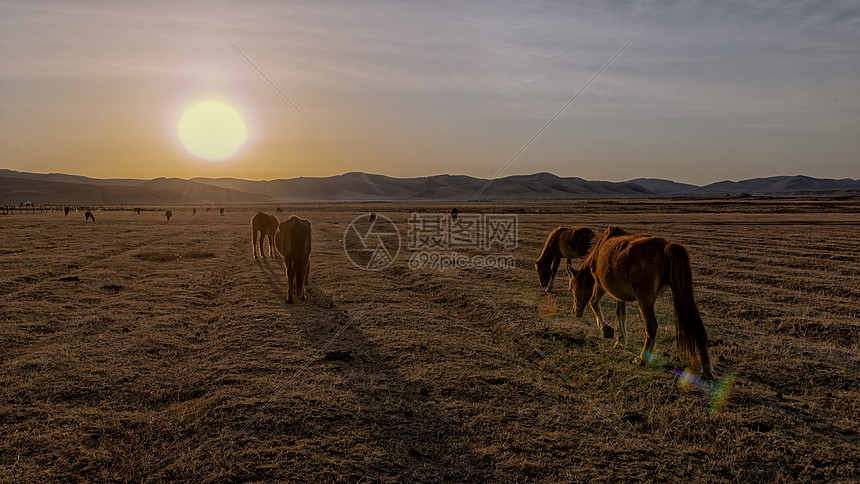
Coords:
221,211
265,225
67,210
640,267
89,216
168,214
279,209
193,211
372,217
137,210
562,243
293,242
454,214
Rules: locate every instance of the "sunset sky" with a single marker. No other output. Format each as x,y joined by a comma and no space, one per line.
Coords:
708,90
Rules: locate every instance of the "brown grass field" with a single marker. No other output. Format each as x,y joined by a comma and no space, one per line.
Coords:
136,350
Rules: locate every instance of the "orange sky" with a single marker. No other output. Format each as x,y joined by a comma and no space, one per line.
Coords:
410,89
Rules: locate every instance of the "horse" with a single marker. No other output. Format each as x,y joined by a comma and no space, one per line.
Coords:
454,214
220,211
265,225
193,211
562,243
640,267
89,216
293,242
137,210
372,217
168,214
67,210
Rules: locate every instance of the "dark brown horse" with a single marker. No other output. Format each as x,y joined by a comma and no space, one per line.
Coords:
263,226
454,214
562,243
293,242
640,267
168,214
66,210
89,216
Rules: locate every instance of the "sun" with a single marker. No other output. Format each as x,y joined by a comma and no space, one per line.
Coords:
212,130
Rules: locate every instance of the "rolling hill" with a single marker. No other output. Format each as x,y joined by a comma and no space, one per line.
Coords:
57,188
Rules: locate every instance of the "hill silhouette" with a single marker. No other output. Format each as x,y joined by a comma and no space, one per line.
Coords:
58,188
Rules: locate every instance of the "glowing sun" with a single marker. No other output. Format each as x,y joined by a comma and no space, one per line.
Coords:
212,130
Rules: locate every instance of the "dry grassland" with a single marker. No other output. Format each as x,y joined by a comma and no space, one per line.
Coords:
137,350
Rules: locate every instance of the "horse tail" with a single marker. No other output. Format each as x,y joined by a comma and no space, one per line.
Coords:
690,332
300,246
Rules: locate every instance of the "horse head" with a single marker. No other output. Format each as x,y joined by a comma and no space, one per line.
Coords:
544,272
582,287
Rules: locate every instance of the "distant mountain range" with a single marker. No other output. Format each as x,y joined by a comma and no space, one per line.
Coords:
57,188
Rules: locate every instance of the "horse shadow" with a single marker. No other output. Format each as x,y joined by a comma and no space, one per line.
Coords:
408,423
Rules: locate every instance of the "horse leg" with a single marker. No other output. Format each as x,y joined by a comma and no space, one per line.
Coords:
291,275
608,332
646,308
621,314
571,272
262,236
553,269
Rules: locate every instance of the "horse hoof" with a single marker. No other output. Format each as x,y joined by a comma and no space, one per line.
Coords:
608,332
639,361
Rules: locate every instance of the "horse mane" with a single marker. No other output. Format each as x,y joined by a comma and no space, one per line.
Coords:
611,231
550,242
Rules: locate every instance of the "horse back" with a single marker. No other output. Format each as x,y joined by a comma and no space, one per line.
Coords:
626,264
293,237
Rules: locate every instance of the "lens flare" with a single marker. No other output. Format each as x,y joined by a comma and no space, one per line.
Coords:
718,393
548,307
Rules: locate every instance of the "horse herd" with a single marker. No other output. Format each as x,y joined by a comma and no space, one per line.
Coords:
629,267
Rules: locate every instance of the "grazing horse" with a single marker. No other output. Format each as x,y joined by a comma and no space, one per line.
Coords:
137,210
562,243
66,210
168,214
89,216
454,214
193,211
221,211
265,225
640,267
371,217
293,242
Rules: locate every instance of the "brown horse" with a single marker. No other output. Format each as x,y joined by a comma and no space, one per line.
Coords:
640,267
89,216
293,242
66,210
265,225
562,243
454,214
168,214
